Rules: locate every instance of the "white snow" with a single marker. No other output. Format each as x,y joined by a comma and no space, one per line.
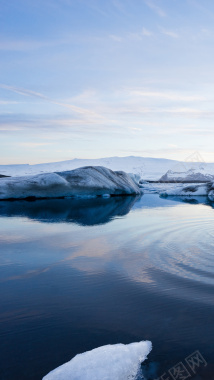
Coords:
86,181
145,167
148,168
111,362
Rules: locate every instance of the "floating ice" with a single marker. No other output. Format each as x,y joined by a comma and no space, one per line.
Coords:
200,173
111,362
187,190
87,181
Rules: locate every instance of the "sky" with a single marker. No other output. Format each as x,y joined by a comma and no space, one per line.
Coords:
100,78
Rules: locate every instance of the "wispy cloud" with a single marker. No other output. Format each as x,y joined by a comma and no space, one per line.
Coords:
155,8
116,38
146,32
7,102
23,91
30,93
174,96
27,44
138,36
30,144
170,33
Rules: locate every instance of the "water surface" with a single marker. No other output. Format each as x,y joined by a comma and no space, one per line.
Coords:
77,274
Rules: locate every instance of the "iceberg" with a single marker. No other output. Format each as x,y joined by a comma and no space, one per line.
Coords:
111,362
188,190
210,194
199,174
89,181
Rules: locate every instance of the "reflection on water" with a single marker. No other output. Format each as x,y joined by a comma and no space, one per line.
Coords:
89,278
191,199
81,211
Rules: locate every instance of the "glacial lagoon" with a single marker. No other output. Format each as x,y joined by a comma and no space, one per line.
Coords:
78,274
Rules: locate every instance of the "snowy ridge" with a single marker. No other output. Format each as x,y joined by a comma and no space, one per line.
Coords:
86,181
155,169
111,362
149,168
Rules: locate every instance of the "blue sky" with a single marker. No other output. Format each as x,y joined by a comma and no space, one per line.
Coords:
98,78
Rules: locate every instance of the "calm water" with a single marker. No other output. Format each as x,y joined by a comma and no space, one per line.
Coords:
75,275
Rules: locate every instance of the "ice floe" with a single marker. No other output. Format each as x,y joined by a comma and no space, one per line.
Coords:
111,362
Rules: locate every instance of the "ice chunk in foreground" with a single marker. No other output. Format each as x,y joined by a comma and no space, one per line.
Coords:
111,362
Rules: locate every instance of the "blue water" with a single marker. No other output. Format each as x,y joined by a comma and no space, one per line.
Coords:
78,274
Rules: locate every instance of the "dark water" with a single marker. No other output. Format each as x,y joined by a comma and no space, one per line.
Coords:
75,275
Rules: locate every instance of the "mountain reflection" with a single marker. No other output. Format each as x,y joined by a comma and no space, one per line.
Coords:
86,212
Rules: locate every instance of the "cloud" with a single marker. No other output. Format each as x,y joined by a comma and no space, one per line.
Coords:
27,44
137,36
52,127
123,113
174,96
116,38
155,8
7,102
22,91
146,32
10,127
170,33
26,92
30,144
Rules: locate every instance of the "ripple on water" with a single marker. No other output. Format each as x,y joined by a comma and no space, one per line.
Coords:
177,252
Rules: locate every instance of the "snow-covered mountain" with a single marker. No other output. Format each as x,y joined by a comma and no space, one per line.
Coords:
148,168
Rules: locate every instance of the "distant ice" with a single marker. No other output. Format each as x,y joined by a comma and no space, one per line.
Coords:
111,362
188,190
199,173
85,182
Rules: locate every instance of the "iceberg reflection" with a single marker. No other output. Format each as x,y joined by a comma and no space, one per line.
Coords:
86,212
